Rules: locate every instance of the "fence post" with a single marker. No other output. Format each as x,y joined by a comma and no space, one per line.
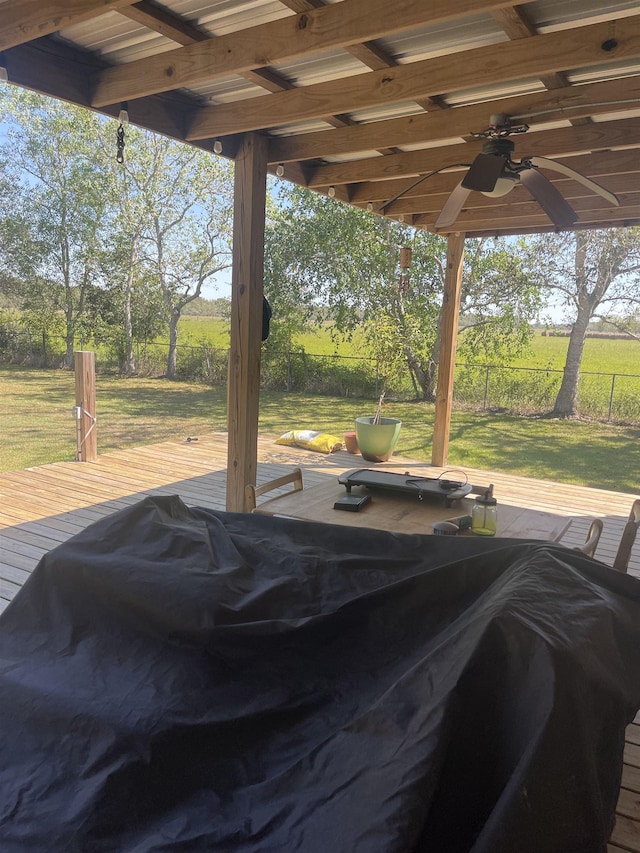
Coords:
613,385
486,388
288,370
85,408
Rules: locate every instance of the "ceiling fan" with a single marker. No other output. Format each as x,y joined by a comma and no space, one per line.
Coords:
494,173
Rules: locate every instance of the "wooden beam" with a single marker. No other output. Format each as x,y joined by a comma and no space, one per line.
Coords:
243,390
171,26
374,56
302,5
599,136
338,25
516,60
54,68
448,340
516,24
457,121
25,20
161,21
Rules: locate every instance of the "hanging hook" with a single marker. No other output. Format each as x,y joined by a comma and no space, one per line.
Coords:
123,118
120,144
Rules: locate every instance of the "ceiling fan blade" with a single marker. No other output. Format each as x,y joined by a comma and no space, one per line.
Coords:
452,207
484,172
557,209
545,163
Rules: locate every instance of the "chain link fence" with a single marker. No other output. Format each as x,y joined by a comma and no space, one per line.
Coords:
613,397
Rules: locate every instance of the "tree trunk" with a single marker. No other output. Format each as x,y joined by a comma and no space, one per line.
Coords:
172,357
567,399
426,379
130,362
68,356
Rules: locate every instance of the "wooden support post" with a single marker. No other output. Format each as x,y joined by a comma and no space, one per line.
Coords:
85,374
448,340
243,388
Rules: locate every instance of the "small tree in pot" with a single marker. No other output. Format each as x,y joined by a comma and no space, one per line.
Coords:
378,436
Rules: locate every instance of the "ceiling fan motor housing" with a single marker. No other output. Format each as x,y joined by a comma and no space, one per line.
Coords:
502,147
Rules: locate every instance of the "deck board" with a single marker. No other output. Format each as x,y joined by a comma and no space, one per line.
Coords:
43,506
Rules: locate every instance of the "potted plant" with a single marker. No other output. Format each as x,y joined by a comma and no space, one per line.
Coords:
377,436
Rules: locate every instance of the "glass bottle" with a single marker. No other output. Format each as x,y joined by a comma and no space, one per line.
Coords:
484,515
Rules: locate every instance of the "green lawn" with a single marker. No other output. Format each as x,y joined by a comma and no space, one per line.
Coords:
38,427
215,331
601,355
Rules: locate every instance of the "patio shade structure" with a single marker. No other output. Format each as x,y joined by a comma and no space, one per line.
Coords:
360,100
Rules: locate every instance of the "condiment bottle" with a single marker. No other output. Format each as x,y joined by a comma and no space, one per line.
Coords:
484,515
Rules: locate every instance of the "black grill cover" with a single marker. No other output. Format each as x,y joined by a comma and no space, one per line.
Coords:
178,679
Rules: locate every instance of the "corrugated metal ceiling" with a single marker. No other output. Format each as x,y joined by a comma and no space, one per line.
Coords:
120,40
470,65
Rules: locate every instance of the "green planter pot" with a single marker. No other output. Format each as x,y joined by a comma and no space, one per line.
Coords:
377,441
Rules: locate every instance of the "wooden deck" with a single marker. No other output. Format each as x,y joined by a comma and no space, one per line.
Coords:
42,507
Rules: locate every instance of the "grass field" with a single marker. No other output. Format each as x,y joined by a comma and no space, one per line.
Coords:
600,355
215,331
38,427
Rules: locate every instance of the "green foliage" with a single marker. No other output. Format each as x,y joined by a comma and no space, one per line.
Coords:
323,253
500,299
201,307
318,374
594,273
58,213
116,251
10,332
203,363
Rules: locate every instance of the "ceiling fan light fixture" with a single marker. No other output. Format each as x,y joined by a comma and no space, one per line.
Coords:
504,185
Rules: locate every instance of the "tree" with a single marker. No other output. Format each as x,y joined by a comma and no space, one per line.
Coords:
62,196
595,273
321,252
190,227
93,239
173,215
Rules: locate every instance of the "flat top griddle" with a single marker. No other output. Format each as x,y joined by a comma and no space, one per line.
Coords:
423,488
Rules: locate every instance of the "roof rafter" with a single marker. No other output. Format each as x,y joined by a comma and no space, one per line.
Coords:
547,143
457,121
338,25
576,48
516,24
25,20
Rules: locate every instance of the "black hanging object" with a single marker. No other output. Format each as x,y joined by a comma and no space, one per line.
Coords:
266,318
120,143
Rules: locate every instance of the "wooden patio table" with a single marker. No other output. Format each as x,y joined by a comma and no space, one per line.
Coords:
406,514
